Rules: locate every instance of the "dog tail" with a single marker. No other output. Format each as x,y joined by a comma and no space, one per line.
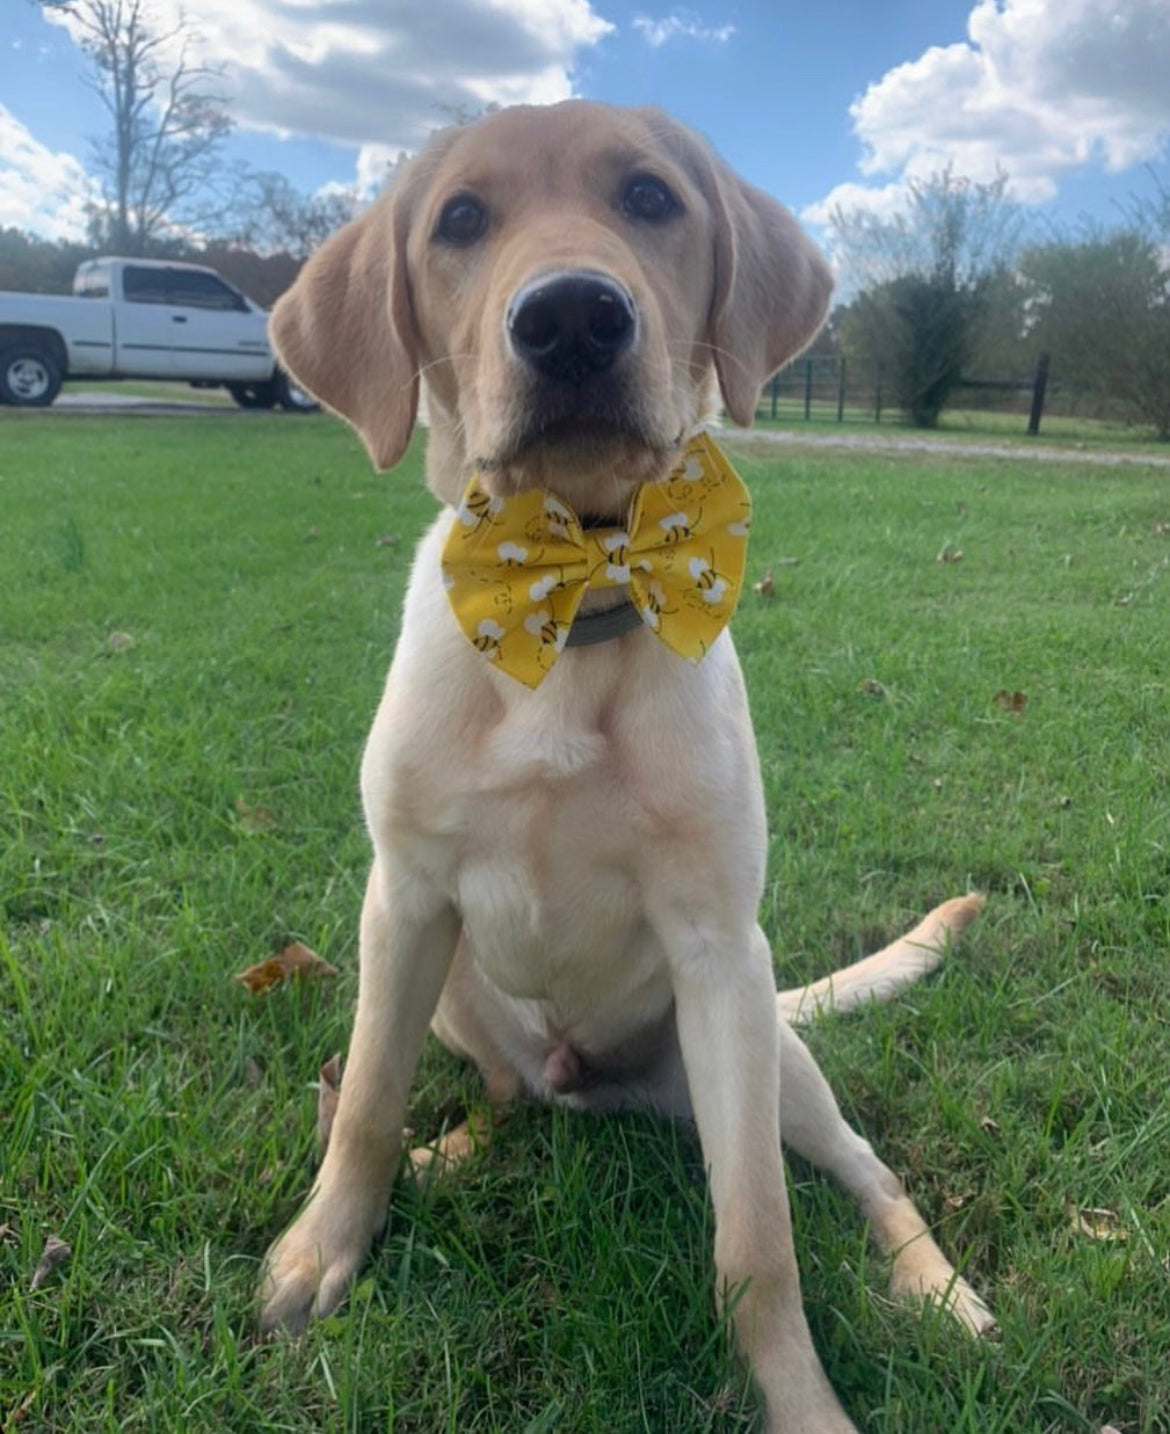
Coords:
880,976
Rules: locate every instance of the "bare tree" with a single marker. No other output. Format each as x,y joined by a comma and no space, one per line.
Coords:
160,164
273,216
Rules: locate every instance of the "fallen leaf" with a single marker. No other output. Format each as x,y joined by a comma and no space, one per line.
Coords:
18,1414
950,555
989,1125
1162,529
1109,1429
1124,600
872,687
1010,701
56,1252
1096,1223
295,961
328,1091
386,540
766,585
119,641
253,819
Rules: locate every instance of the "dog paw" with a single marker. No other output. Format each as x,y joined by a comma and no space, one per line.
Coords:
308,1271
965,1305
950,1292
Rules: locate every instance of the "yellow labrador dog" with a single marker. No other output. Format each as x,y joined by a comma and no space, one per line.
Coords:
567,870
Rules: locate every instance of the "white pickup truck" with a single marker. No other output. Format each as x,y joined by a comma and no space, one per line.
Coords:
141,318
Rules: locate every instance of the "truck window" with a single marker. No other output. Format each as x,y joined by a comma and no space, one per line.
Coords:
145,286
193,290
92,284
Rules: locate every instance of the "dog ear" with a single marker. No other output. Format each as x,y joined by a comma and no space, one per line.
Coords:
772,289
345,330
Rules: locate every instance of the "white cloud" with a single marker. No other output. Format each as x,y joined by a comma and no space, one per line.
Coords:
366,73
685,25
40,190
1039,89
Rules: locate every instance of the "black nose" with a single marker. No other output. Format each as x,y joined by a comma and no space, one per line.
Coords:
570,326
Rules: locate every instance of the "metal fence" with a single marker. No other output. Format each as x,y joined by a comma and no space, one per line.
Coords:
830,388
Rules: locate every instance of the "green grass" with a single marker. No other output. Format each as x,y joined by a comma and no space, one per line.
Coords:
161,1121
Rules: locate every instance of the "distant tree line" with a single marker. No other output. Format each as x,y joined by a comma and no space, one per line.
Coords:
953,286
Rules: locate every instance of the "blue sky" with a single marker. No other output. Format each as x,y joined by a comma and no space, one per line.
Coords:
837,101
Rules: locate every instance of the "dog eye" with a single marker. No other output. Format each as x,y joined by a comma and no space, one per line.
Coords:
648,198
462,220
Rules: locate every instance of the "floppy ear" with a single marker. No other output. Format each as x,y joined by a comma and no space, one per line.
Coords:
772,288
345,330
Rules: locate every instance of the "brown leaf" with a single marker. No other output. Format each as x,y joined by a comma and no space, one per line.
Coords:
328,1091
950,555
872,687
1010,701
56,1252
295,961
1109,1429
767,584
253,819
1162,529
1096,1223
17,1416
990,1126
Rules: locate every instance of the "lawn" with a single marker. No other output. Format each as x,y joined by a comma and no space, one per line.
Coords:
195,621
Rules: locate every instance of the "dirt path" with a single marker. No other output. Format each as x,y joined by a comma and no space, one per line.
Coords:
876,443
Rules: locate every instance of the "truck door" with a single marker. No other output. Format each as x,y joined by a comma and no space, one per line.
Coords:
143,327
217,334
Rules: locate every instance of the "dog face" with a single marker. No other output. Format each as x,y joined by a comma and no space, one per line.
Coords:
571,282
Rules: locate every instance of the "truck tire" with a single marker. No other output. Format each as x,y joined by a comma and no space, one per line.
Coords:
30,376
291,396
254,395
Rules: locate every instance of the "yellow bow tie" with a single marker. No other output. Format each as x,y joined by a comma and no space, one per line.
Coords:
516,569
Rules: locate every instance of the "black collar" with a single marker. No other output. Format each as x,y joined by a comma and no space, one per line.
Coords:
592,627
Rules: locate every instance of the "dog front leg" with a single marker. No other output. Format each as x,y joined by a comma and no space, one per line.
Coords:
725,1003
408,936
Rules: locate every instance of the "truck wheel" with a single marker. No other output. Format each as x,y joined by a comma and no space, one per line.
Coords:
291,396
254,395
30,376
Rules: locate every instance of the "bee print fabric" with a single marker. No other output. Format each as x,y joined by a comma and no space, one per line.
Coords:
516,568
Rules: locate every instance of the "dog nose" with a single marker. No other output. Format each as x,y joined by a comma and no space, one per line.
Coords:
570,326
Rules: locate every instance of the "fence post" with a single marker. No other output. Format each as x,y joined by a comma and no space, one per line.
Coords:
775,392
841,390
807,389
1039,386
